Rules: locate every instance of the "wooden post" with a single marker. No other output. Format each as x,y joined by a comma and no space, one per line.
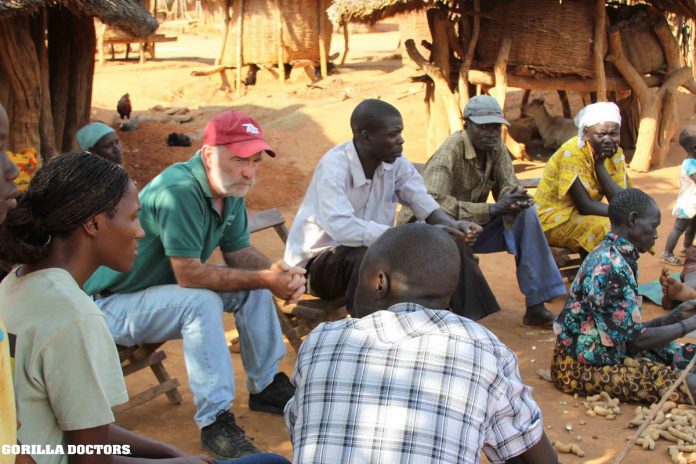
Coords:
441,86
322,43
499,92
225,34
346,41
279,31
240,24
500,71
100,42
598,50
463,81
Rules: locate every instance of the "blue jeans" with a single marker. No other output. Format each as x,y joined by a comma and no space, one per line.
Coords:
537,274
169,312
262,458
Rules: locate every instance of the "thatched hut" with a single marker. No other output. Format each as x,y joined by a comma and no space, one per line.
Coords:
587,46
270,33
47,65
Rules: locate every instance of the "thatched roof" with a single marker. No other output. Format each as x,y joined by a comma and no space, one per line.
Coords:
128,15
371,11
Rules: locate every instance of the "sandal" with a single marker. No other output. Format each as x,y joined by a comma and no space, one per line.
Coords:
671,260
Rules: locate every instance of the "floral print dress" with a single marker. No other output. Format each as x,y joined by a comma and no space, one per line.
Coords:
603,311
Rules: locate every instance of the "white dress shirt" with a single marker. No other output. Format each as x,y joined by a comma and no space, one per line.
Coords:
343,207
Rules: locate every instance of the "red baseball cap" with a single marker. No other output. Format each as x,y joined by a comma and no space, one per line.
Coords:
241,134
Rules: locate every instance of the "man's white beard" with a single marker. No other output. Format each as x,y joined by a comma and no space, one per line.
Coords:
231,187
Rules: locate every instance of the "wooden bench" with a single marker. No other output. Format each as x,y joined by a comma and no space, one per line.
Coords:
136,358
109,37
296,320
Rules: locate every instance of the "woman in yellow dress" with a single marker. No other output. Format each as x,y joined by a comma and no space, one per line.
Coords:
582,172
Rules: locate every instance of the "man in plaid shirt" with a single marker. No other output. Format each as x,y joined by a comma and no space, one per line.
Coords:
409,381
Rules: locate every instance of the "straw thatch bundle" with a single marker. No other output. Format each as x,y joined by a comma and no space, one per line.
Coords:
300,31
127,15
371,11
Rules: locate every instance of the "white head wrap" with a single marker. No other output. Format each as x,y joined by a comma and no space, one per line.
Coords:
595,114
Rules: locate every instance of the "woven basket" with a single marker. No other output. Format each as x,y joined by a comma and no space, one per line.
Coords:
413,25
300,22
548,37
640,44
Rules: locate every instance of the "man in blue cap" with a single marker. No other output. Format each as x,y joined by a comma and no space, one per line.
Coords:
100,139
468,166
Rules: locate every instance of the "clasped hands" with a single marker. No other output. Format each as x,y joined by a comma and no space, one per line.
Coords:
287,282
512,201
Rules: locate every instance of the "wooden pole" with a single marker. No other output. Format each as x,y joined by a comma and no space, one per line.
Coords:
598,50
228,21
240,23
46,130
279,31
346,41
463,81
322,43
653,413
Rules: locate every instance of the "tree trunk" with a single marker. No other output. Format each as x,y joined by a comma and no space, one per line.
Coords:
20,64
72,40
46,130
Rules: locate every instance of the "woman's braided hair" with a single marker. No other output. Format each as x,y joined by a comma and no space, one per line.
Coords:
64,194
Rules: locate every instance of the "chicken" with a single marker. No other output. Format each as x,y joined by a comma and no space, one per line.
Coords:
124,107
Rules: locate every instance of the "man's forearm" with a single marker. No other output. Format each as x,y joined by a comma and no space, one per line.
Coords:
219,278
248,258
140,446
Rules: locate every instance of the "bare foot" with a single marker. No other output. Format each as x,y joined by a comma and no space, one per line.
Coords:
666,301
677,291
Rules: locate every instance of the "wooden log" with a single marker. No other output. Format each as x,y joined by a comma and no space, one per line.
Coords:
240,23
323,52
441,86
46,129
571,84
598,49
210,71
20,64
464,79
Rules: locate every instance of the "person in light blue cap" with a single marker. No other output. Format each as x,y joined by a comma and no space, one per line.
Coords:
100,139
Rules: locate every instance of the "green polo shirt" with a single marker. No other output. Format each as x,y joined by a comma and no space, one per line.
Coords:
179,219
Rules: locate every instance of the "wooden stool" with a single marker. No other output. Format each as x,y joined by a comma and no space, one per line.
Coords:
296,320
139,357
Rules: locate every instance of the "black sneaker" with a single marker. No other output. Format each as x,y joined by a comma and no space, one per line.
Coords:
274,397
224,439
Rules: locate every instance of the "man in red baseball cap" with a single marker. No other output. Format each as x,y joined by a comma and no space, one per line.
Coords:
188,211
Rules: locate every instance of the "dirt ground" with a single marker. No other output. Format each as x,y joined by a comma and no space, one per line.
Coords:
301,122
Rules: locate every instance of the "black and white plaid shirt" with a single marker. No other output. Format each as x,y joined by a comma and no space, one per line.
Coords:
409,385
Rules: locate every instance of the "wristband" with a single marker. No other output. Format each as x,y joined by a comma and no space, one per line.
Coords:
683,327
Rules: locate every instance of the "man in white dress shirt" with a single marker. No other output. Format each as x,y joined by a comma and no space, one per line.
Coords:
352,200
